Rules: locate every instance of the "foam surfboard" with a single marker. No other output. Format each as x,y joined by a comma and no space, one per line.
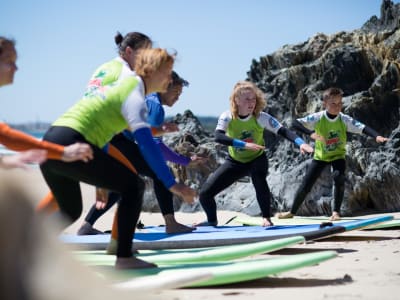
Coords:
225,272
162,281
194,255
213,236
154,238
297,220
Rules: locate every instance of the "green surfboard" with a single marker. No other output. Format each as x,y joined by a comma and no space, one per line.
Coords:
298,220
223,272
185,256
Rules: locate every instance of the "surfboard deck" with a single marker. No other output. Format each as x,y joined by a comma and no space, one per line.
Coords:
361,223
224,272
154,238
199,255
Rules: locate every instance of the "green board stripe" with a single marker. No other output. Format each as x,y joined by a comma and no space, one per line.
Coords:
256,221
225,272
195,255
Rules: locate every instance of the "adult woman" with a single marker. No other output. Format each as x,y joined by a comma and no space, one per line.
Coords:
109,73
94,120
35,151
126,144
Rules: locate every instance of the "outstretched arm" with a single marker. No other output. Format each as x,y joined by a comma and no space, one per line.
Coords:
300,127
291,136
372,133
172,156
222,138
18,141
22,159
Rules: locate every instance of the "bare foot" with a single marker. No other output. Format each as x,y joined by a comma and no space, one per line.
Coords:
205,223
87,229
284,215
267,222
178,228
123,263
172,226
335,216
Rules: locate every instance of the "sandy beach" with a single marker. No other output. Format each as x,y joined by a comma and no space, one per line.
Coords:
367,266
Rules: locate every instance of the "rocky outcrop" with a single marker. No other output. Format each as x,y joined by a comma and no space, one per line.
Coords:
365,64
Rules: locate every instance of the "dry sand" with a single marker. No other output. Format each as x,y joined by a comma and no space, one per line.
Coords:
367,266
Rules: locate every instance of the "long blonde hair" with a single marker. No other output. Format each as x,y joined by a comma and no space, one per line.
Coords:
149,61
237,91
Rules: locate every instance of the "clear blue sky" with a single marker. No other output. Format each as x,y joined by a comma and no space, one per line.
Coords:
60,43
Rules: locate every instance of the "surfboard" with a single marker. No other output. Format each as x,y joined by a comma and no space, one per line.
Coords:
297,220
153,237
162,281
225,272
198,255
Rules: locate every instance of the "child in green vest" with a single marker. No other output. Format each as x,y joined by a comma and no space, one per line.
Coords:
329,130
242,129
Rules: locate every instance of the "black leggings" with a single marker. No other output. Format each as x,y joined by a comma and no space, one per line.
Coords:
132,152
315,169
103,171
231,171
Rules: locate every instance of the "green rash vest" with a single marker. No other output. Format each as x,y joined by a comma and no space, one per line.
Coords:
98,115
108,73
249,130
81,115
334,132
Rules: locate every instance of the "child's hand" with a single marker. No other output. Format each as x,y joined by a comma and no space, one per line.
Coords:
254,147
317,137
169,127
381,139
306,148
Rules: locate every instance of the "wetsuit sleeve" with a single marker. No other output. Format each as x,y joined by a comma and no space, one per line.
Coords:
370,132
220,130
310,121
19,141
172,156
299,127
222,138
269,122
152,154
352,125
290,135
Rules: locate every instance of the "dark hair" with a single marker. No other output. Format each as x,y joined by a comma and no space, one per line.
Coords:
134,40
177,80
333,91
4,42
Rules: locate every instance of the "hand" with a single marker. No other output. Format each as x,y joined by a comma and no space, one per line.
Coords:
169,127
77,151
196,160
186,193
21,159
381,139
101,198
317,137
306,148
254,147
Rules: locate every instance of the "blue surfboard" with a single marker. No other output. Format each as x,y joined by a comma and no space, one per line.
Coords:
154,237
